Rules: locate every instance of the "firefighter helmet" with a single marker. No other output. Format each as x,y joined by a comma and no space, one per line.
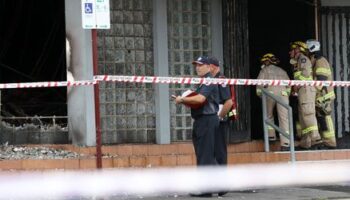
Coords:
313,45
269,57
299,44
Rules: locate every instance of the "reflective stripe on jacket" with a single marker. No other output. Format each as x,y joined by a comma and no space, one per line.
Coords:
323,72
303,71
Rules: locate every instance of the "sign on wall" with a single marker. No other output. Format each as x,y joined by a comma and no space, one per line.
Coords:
95,14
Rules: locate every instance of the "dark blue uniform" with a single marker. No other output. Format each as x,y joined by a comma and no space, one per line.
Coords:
220,135
206,122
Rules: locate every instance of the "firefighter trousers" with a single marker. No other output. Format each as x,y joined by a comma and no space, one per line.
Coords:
307,117
326,128
282,113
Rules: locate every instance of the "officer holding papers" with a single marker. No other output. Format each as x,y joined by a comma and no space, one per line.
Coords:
204,105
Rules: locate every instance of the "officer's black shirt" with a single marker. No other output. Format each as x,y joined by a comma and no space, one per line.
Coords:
224,90
211,94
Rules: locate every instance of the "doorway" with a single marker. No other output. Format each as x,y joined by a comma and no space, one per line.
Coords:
273,24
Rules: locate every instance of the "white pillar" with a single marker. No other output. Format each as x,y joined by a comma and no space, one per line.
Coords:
81,112
160,46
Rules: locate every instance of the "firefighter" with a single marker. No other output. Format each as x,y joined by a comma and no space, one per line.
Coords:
309,134
324,95
270,70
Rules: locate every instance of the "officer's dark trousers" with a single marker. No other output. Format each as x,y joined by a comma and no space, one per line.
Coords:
220,143
204,128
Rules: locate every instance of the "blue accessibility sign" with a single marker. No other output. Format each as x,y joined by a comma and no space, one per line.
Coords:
88,8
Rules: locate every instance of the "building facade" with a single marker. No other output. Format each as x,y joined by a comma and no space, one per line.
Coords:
161,38
152,38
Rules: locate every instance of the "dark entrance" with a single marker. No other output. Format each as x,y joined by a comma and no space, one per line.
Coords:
32,49
273,24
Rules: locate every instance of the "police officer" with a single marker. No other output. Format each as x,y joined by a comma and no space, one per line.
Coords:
324,95
225,105
270,71
206,120
306,96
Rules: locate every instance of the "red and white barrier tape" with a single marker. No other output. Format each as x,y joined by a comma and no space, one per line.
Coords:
189,80
47,84
174,80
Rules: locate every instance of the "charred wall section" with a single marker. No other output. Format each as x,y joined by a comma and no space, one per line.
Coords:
32,49
236,62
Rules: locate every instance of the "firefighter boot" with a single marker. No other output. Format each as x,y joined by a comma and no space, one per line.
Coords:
330,143
305,142
316,141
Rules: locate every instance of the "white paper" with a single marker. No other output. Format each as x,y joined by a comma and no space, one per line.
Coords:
220,108
186,93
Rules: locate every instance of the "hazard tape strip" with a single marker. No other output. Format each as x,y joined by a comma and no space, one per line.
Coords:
208,81
174,80
47,84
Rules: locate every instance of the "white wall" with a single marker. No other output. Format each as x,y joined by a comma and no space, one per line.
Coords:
81,110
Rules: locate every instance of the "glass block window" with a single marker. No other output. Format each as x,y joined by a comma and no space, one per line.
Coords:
127,109
189,36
